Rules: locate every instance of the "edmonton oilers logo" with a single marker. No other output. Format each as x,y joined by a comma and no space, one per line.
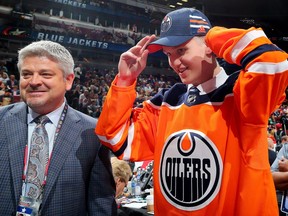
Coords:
190,170
166,24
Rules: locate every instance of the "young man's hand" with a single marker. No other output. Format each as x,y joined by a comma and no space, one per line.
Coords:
133,62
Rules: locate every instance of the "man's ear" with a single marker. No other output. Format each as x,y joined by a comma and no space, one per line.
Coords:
118,181
69,81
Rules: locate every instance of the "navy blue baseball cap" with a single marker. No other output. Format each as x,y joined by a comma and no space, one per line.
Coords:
179,26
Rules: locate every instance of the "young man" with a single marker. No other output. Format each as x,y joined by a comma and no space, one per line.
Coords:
207,135
60,168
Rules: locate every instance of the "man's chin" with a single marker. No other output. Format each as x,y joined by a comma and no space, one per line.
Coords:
35,104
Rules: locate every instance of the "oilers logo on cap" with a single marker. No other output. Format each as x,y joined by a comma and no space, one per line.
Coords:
166,24
190,170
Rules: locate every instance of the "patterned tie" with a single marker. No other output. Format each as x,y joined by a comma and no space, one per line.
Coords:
38,159
193,94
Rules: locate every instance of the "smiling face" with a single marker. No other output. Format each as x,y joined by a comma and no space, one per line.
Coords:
42,84
192,61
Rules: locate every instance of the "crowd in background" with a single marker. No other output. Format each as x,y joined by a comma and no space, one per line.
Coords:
97,34
91,86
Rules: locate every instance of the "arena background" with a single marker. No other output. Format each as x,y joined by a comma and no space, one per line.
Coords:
97,32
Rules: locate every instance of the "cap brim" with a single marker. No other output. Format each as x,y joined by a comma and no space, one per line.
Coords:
169,41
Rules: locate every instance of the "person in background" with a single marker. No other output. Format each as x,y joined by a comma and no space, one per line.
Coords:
16,94
12,81
279,170
206,135
3,75
78,72
7,98
3,88
84,101
60,168
3,66
271,151
15,90
121,173
5,78
278,136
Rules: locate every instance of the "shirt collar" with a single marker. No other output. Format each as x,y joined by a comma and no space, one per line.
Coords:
211,84
54,116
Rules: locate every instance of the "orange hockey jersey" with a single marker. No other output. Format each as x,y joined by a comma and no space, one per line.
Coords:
209,148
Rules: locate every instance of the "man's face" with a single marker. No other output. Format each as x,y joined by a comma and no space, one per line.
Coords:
189,61
42,84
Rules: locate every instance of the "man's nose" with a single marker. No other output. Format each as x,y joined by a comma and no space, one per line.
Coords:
35,80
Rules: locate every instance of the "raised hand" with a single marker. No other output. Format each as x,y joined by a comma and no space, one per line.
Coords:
133,62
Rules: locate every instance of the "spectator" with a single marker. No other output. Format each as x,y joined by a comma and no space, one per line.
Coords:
3,88
6,98
278,136
121,173
271,151
84,101
78,72
3,67
94,109
279,170
12,81
3,75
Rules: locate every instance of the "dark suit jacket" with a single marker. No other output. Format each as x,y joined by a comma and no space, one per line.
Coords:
79,180
272,156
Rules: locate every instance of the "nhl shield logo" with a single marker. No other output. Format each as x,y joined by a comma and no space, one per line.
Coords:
190,170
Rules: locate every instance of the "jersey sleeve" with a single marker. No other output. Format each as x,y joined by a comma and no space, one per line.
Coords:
263,79
125,129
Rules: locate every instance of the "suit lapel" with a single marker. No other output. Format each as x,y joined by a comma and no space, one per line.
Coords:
16,131
61,150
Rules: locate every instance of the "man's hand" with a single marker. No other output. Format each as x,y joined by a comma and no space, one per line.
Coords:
133,62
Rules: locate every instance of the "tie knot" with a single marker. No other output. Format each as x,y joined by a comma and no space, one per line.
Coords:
43,119
194,90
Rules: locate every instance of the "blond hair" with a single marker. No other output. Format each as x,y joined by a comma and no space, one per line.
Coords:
121,169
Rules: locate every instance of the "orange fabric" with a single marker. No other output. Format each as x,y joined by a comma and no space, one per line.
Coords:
228,139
